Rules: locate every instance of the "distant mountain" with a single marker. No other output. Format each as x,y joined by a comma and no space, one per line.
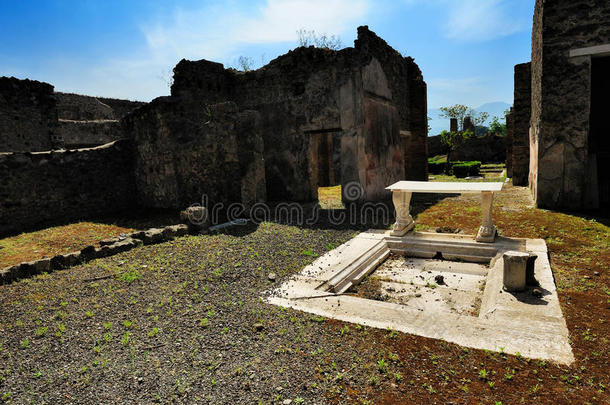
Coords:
438,123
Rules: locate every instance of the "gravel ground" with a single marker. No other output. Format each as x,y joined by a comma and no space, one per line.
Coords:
184,322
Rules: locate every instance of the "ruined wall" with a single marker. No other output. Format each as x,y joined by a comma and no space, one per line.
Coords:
521,113
86,121
51,187
561,91
185,149
77,107
369,98
28,115
487,149
86,134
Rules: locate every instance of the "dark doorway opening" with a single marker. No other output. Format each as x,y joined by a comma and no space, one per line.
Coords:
599,131
324,160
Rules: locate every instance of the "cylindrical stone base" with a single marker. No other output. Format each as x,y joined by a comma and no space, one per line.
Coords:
515,264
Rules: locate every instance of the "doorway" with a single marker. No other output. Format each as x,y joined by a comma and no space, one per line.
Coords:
324,161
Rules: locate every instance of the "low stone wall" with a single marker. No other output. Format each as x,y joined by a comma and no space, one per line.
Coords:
107,247
51,187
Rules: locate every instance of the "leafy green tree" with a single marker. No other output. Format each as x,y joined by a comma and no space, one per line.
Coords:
497,127
453,138
460,111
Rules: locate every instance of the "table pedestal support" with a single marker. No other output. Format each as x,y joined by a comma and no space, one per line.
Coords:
487,231
402,204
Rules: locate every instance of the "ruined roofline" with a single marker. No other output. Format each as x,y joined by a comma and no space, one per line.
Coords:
366,44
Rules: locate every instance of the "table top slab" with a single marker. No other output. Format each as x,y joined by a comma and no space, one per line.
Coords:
445,186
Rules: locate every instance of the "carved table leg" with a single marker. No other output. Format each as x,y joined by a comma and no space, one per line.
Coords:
487,231
404,220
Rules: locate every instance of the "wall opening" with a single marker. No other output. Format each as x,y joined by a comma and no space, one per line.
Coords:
599,131
324,161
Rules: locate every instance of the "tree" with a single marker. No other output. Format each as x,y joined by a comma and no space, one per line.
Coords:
245,63
309,38
497,127
460,111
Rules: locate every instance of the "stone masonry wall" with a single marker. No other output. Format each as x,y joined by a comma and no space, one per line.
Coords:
86,134
50,187
77,107
28,115
369,99
561,98
185,149
86,121
521,114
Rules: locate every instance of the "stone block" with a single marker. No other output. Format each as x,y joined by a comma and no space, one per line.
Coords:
88,253
153,235
515,264
196,217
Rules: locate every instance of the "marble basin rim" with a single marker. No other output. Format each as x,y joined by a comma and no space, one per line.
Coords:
506,321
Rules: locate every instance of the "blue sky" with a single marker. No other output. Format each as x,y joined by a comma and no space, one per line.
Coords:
466,49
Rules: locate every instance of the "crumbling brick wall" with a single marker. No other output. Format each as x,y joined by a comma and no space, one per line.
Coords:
561,89
369,99
28,115
43,188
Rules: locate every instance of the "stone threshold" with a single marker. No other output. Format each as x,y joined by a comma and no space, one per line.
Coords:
107,247
507,322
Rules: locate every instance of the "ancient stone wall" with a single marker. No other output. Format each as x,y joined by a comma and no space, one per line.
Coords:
77,107
86,134
40,188
436,146
561,88
521,113
28,115
86,121
366,104
487,149
185,149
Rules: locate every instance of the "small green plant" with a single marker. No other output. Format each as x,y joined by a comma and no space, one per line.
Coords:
107,325
131,276
382,365
153,332
309,252
41,331
483,374
205,322
127,324
344,330
89,314
25,343
125,339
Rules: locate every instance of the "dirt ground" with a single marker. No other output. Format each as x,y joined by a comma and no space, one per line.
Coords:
184,322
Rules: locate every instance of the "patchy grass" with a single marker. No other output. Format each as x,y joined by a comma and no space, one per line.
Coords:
330,198
53,241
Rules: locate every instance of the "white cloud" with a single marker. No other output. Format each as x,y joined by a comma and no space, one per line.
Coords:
481,20
215,31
